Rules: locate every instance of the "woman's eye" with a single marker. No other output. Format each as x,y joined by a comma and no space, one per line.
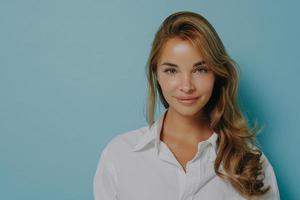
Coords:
172,71
202,70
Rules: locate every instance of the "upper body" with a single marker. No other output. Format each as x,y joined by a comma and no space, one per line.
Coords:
138,165
204,147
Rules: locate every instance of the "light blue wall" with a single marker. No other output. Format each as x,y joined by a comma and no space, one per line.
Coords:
72,77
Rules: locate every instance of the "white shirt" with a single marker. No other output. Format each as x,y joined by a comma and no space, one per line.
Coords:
137,165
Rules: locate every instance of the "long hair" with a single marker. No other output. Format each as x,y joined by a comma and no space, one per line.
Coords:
237,161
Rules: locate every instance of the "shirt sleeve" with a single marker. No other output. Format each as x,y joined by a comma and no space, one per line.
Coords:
105,181
270,180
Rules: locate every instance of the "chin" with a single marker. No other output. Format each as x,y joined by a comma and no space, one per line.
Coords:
188,111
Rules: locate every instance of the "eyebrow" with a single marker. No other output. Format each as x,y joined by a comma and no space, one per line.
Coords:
174,65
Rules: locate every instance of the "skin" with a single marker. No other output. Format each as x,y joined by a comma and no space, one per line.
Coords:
184,126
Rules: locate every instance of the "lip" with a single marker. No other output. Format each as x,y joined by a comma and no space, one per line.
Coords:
187,98
187,102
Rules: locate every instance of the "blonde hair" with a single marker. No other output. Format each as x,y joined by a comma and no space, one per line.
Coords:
241,163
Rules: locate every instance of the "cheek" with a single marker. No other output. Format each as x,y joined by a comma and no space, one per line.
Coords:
168,85
206,86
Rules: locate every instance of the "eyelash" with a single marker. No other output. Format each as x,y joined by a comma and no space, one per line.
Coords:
198,69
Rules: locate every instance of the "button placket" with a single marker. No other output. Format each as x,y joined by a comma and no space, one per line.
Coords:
181,182
191,179
195,170
205,169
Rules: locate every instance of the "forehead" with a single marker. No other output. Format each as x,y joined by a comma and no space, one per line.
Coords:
179,50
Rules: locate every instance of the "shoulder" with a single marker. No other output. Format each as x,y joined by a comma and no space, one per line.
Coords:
124,142
269,176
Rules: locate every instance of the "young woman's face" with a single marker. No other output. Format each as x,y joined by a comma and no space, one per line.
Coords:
183,74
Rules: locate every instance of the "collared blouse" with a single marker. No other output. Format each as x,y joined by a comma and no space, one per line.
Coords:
137,165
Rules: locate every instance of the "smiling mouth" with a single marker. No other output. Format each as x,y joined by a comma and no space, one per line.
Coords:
187,101
188,98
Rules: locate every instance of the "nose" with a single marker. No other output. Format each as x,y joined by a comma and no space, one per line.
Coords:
187,84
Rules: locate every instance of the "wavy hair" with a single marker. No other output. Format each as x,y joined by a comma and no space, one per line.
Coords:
236,161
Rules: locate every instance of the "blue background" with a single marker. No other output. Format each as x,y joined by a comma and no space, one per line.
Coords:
72,76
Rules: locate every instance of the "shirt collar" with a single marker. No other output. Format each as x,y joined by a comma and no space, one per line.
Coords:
153,136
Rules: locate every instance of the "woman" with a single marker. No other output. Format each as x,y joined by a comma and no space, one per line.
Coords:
201,147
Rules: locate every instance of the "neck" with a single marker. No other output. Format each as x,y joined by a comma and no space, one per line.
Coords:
186,128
